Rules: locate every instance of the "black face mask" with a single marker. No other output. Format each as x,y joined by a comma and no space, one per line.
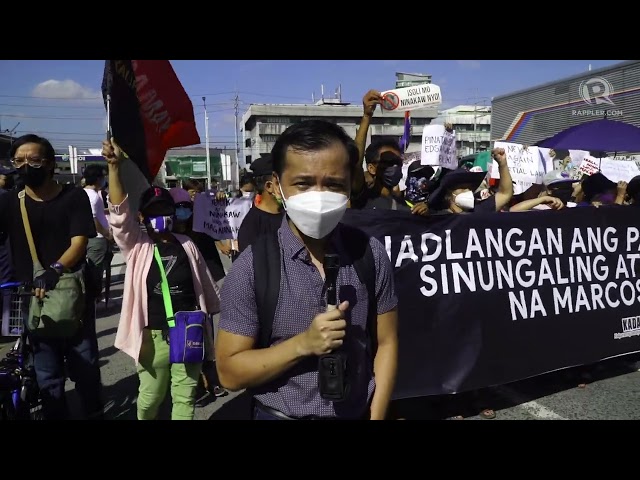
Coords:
33,177
392,176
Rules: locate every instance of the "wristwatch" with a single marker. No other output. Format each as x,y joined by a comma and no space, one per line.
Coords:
58,267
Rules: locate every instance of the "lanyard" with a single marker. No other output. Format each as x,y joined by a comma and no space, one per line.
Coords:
164,284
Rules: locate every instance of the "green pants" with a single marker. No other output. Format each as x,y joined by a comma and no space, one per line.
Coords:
156,374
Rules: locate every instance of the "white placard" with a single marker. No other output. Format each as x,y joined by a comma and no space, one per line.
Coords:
220,219
439,147
546,158
525,166
411,98
619,170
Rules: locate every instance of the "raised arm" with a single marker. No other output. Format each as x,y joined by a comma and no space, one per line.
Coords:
126,231
369,102
505,187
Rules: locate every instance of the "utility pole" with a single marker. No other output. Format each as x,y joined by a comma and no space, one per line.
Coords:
236,167
206,136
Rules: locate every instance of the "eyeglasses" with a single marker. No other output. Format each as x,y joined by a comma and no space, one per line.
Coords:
33,162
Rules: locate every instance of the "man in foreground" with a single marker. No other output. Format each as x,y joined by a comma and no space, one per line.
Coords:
312,163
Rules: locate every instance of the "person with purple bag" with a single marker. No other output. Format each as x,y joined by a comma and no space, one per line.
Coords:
168,294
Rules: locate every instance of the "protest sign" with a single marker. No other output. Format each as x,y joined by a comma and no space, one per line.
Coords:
411,98
489,299
525,166
619,170
220,219
439,147
588,166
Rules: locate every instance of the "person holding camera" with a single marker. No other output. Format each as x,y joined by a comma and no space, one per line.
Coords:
302,353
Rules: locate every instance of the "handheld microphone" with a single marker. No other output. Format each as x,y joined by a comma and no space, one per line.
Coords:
332,378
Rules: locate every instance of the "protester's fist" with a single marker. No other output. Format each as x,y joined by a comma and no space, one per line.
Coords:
553,202
370,100
326,332
112,152
220,195
622,187
500,156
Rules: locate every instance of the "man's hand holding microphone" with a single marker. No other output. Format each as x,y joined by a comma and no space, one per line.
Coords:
326,332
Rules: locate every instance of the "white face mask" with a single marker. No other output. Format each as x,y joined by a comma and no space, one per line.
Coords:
465,200
316,214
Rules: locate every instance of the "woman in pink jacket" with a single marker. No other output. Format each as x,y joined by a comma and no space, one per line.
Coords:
142,331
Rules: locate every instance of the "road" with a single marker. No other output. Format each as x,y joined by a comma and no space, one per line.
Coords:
610,392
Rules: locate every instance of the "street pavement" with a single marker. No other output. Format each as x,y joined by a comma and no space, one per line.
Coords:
606,391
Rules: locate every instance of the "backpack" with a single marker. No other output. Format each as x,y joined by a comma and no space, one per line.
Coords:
266,271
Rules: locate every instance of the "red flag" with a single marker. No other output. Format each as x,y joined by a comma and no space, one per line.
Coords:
160,110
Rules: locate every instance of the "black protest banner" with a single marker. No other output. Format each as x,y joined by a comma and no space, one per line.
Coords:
487,299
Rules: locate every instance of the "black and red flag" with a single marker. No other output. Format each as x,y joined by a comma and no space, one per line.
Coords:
149,111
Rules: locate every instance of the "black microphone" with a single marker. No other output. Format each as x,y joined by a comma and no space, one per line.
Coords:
332,379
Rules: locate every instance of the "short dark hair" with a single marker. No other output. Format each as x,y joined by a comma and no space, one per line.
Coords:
47,149
311,136
92,173
372,153
191,184
247,179
261,181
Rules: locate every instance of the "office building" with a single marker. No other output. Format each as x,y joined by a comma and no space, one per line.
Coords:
472,124
531,115
263,123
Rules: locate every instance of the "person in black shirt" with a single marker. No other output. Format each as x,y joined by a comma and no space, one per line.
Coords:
207,247
266,215
184,224
61,223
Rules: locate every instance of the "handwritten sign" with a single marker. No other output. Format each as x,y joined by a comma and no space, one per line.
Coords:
619,170
588,166
411,98
525,166
220,219
439,147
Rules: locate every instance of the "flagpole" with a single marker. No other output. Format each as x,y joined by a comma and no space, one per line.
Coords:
206,128
108,117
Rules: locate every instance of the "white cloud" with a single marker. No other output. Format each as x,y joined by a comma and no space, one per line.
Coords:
469,64
67,89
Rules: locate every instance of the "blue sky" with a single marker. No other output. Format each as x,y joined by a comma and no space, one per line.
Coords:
60,99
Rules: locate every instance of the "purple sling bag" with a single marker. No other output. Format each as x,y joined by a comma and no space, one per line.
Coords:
186,329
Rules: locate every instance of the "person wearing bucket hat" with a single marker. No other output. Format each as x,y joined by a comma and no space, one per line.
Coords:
599,190
455,193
